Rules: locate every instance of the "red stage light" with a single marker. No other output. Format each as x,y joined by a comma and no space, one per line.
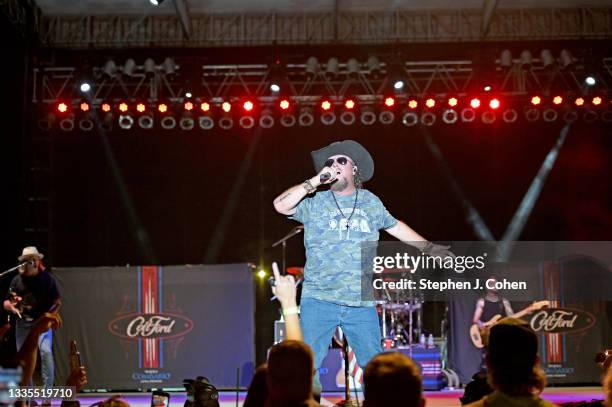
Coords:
284,104
494,103
163,108
557,100
84,107
349,104
536,100
389,102
452,102
105,107
579,102
430,103
188,106
205,107
247,106
475,103
326,105
140,107
226,106
123,107
596,101
413,104
62,108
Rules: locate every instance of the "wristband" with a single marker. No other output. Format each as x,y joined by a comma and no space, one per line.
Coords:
308,187
428,247
291,311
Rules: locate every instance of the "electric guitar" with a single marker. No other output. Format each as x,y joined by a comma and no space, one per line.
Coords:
475,330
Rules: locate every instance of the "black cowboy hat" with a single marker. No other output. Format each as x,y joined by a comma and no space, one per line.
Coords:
350,148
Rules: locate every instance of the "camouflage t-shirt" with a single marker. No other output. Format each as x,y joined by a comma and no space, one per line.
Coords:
333,251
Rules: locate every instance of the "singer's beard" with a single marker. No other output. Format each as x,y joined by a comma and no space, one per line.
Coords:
340,185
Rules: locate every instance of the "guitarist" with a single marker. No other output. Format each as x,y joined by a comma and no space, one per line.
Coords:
490,305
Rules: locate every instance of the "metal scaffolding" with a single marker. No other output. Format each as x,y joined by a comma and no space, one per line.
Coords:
377,27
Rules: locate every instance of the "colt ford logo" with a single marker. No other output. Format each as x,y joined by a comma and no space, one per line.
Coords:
150,326
561,320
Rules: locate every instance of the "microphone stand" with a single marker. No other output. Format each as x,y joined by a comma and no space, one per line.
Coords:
5,272
296,230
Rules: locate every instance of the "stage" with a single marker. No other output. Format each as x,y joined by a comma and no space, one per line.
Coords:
445,398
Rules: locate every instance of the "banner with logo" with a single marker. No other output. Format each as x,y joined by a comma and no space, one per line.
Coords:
153,326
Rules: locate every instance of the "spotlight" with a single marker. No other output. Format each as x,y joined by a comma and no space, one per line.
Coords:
389,102
450,116
84,107
531,115
368,117
206,122
349,104
468,115
566,59
247,106
412,104
410,119
596,101
328,118
536,100
326,105
266,120
287,120
123,107
141,107
205,107
579,101
557,100
430,103
549,115
274,87
374,66
398,85
488,117
188,106
547,58
146,121
487,88
67,123
331,69
86,124
526,59
188,94
386,117
347,118
149,67
606,116
352,67
475,103
226,107
494,103
226,123
428,119
505,60
168,66
187,123
85,87
62,107
109,69
128,67
589,116
156,2
510,116
396,73
284,104
312,66
570,116
105,107
590,80
246,122
261,274
452,102
125,122
305,117
168,122
162,108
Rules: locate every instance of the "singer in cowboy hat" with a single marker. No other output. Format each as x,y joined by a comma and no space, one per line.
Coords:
336,223
32,293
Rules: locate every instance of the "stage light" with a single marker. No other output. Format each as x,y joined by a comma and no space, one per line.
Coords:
141,107
168,66
266,120
331,69
589,116
284,104
188,106
146,121
186,123
156,2
368,117
306,118
557,100
386,117
84,107
123,107
247,106
126,122
398,85
389,102
410,119
349,104
547,58
47,122
262,274
246,122
468,115
287,120
494,103
347,118
412,103
549,115
452,102
374,65
596,101
428,119
505,60
579,101
566,59
86,124
536,100
274,87
105,107
570,116
128,67
168,122
226,107
226,123
85,87
326,105
205,107
188,94
590,80
352,67
450,116
206,122
67,123
62,107
526,59
430,103
109,68
162,108
531,115
510,116
475,103
488,117
312,66
328,118
149,66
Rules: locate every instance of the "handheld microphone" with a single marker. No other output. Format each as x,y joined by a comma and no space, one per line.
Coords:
325,176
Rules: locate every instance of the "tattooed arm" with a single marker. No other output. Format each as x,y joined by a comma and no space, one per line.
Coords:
286,202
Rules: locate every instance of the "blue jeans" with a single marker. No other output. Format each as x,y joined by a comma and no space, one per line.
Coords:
45,348
319,320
